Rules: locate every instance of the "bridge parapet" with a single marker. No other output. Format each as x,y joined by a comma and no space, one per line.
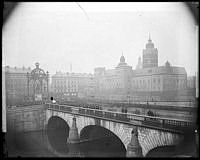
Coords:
149,136
152,122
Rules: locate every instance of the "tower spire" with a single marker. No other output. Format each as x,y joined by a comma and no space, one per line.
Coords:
149,36
70,67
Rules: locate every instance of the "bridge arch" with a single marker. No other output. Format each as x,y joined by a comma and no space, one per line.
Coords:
104,142
57,133
162,151
150,139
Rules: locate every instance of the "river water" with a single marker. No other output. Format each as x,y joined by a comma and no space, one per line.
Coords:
35,144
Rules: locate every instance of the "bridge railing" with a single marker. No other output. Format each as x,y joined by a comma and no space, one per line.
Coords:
126,117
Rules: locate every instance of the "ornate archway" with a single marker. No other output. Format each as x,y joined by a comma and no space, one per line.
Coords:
38,82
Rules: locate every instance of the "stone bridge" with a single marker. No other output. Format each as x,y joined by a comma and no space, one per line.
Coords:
148,139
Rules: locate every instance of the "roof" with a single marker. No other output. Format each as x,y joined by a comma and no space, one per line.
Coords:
159,70
110,72
61,74
16,69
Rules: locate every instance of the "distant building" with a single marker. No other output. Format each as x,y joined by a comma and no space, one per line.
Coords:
20,88
150,55
148,82
191,82
72,85
139,65
192,86
16,84
159,83
114,83
86,88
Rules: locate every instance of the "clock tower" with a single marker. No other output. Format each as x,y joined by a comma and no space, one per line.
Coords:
150,55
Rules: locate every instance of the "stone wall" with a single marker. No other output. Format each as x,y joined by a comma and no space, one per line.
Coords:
24,119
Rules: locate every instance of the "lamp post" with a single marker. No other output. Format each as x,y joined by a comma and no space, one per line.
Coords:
151,89
128,98
47,84
28,84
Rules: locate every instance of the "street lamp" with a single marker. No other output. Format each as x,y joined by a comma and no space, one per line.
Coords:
47,84
128,97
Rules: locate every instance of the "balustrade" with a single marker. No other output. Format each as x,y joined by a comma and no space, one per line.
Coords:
126,117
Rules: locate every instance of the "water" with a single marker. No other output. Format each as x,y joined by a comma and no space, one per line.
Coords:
36,144
30,144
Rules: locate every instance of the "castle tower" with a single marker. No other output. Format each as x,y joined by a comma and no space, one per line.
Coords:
150,55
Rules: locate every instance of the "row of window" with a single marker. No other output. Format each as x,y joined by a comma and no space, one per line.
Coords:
146,87
65,90
65,82
113,85
146,81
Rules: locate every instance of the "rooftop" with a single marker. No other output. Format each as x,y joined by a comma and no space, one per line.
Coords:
16,69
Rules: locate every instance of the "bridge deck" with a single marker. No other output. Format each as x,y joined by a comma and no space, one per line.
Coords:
158,123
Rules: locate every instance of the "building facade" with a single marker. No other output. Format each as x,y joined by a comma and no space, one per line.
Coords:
66,86
114,83
150,55
191,82
192,88
148,82
16,84
23,84
163,83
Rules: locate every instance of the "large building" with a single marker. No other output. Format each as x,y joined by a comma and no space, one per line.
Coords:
72,85
191,82
192,88
16,84
114,83
163,83
148,82
150,55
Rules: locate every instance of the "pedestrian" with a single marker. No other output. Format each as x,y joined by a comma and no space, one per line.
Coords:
52,100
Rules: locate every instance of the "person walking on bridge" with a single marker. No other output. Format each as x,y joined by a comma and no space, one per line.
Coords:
52,100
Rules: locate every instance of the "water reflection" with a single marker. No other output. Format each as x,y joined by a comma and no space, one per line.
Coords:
36,144
30,144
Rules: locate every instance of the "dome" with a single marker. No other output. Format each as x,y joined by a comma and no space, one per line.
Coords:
122,62
37,70
122,59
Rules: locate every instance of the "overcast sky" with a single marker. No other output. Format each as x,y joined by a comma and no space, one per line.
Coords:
90,35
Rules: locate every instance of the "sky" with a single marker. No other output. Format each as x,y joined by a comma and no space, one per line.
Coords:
88,35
